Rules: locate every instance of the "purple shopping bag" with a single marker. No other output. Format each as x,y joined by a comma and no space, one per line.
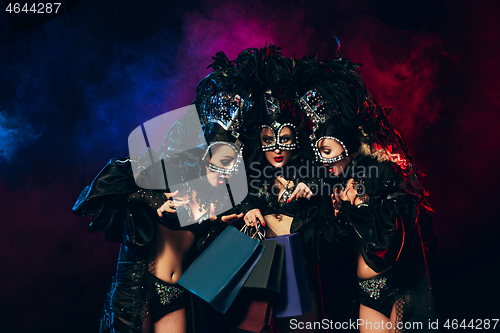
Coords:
294,298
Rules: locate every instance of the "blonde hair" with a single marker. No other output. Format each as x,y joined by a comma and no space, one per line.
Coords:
381,155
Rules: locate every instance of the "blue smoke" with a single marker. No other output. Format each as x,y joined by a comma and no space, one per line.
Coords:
15,133
86,80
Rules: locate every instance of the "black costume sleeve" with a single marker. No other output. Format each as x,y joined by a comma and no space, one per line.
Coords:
125,212
382,221
247,204
322,237
255,199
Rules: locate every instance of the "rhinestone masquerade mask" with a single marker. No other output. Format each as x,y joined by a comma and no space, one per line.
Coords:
331,160
220,169
274,111
278,140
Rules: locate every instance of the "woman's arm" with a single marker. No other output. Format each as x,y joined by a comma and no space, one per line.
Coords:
380,219
126,213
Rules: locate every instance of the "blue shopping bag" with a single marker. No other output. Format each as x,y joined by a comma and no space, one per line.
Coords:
294,298
219,273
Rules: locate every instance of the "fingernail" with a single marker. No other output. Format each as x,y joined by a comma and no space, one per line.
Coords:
264,224
288,201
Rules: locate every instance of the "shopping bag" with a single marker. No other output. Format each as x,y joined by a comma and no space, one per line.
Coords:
294,298
220,271
267,274
251,310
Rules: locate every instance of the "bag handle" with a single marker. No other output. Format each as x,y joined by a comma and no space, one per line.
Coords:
257,232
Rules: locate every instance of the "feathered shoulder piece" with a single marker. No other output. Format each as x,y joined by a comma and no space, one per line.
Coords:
385,143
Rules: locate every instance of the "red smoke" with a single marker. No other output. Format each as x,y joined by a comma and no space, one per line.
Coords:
399,67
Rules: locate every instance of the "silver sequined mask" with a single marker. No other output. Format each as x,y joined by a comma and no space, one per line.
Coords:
277,143
222,170
331,160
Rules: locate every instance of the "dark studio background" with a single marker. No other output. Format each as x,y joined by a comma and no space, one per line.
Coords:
73,88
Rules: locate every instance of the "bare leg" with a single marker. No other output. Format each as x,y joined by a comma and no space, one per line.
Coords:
375,322
174,322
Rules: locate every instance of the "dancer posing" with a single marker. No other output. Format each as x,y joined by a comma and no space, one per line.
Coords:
276,147
155,248
380,205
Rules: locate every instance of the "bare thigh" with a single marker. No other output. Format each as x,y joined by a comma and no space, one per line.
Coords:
174,322
374,321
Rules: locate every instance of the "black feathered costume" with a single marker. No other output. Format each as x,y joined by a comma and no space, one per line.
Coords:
127,214
391,224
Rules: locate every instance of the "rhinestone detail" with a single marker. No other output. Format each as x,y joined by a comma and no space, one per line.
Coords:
225,171
373,286
276,127
225,109
316,109
168,293
321,159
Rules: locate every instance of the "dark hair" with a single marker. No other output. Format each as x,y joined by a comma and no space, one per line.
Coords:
355,115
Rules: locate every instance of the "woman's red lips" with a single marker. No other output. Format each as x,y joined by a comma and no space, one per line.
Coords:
278,159
330,167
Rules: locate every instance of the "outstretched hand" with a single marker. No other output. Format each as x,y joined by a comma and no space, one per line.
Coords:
229,219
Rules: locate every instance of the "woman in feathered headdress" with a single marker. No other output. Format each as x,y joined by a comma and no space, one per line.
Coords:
162,223
378,203
276,146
